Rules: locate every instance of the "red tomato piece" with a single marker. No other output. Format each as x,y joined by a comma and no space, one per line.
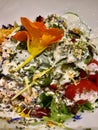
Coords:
84,85
53,86
83,74
93,66
94,61
81,102
94,78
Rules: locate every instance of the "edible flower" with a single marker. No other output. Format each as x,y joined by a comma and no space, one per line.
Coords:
77,117
20,36
14,119
4,33
38,38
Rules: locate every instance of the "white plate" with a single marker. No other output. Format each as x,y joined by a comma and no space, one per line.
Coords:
12,10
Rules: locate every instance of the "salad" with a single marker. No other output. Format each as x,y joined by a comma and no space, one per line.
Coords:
49,68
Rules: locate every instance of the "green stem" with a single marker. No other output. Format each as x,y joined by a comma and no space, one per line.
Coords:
25,62
21,91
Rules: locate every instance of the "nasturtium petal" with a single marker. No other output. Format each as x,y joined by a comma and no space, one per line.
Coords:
51,35
33,28
4,33
20,36
34,47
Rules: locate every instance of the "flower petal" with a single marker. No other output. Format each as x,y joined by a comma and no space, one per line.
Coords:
34,28
51,35
34,46
20,36
4,33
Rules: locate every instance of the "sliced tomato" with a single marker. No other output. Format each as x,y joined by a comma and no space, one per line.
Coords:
81,102
53,86
84,85
94,61
94,78
93,75
83,74
93,66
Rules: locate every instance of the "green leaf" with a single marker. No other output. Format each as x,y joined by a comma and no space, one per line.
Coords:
88,59
64,109
59,113
45,100
22,46
45,80
87,106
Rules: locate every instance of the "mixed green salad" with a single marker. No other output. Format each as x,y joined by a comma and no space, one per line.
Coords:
49,68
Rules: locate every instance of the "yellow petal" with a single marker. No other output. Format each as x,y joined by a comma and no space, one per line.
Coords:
4,33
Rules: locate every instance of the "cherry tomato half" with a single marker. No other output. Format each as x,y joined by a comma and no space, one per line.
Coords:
84,85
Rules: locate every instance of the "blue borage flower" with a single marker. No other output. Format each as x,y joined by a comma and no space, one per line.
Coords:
77,117
15,119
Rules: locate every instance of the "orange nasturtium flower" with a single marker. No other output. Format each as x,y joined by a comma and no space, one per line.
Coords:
38,38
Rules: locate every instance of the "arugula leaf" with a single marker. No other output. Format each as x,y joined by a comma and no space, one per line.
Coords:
87,106
45,80
45,100
59,113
